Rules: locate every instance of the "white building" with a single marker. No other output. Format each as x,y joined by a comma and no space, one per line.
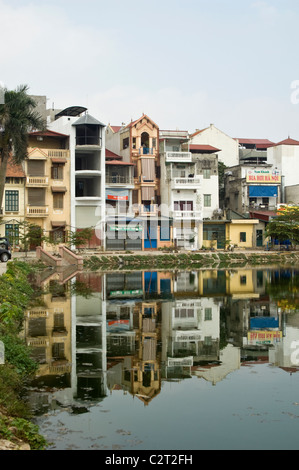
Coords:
189,186
285,157
227,147
87,154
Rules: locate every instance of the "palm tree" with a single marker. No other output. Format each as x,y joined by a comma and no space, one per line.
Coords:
17,118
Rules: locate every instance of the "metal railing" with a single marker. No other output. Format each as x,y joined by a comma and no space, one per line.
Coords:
178,157
119,179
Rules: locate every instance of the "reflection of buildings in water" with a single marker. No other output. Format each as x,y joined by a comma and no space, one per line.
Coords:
229,361
89,378
135,366
48,329
190,335
139,328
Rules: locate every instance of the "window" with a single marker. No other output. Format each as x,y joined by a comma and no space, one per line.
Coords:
58,200
183,205
243,237
207,174
57,172
12,233
243,280
208,314
126,143
12,201
207,200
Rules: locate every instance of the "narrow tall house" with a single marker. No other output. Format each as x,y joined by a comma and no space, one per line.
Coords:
87,169
47,190
138,143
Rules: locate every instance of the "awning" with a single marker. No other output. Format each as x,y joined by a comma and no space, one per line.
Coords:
263,191
58,224
59,189
59,160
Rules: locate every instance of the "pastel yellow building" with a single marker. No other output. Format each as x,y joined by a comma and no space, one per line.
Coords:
47,190
12,212
239,233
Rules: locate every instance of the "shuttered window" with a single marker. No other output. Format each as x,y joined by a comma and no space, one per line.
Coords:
36,196
148,169
36,168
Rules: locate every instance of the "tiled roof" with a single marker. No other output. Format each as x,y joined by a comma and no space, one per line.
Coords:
14,170
203,148
114,156
287,142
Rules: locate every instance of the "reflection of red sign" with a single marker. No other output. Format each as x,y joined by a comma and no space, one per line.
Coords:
117,198
118,322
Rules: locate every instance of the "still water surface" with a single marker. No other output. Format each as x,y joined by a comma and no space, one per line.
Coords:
167,360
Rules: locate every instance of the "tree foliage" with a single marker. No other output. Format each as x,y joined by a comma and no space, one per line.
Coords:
285,226
18,117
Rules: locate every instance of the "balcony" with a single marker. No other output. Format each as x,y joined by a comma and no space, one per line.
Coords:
146,151
179,214
181,157
37,211
148,210
119,180
42,154
185,183
37,181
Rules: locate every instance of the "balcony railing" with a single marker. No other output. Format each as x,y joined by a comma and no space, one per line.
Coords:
185,182
177,214
178,157
42,154
86,140
39,181
146,151
119,179
151,209
37,211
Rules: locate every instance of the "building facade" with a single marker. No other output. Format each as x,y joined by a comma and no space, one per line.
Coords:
13,210
47,187
87,170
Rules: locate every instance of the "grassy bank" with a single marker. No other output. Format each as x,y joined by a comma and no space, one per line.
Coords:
198,260
16,293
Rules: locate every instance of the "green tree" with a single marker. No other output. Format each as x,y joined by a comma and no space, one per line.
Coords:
17,118
285,226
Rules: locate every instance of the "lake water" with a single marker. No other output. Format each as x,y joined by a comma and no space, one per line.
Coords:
167,360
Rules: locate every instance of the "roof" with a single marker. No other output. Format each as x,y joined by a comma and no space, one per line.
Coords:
203,148
263,215
118,162
14,170
88,119
114,156
71,111
259,143
287,141
132,123
47,133
198,131
116,128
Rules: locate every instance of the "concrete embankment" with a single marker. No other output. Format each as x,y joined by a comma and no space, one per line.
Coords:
194,260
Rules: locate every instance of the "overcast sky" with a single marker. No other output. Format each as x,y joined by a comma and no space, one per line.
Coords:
184,63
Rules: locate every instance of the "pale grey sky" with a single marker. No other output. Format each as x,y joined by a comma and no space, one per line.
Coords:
185,63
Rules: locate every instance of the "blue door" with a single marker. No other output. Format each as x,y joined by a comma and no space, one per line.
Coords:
151,233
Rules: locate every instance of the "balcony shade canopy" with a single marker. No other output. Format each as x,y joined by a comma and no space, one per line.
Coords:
71,111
